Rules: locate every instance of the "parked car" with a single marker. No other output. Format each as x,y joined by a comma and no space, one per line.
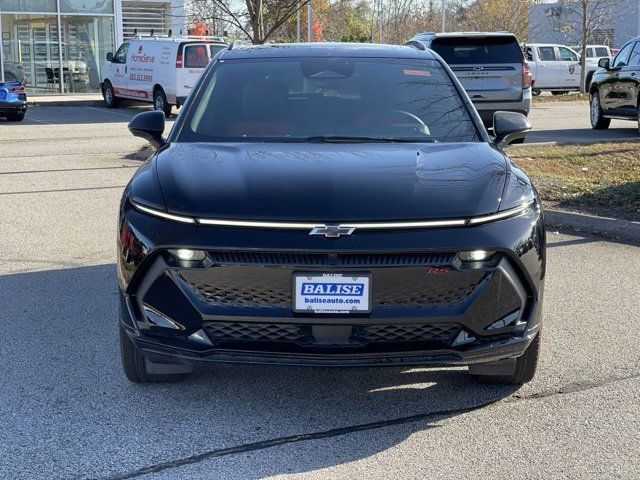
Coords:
330,204
594,54
554,68
162,70
14,72
490,67
13,101
614,87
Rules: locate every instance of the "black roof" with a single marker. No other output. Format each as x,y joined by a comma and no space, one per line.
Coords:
325,49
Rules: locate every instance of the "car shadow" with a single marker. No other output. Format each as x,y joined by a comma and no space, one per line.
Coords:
80,114
63,383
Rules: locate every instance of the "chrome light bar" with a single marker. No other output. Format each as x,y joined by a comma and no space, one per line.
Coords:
219,222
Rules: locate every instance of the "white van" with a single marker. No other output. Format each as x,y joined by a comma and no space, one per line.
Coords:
161,70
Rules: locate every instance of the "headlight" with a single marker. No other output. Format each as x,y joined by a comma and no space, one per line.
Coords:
188,255
475,255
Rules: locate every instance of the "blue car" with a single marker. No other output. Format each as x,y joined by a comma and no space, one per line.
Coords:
13,101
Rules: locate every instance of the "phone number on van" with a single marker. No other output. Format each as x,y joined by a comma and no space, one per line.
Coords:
141,77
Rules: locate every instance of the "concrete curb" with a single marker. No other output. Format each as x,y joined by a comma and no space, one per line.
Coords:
602,226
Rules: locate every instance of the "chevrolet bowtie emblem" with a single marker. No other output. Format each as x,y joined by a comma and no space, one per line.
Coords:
332,231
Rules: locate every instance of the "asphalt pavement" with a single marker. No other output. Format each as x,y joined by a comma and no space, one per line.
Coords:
67,411
568,122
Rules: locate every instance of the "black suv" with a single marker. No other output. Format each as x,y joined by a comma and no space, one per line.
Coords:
330,204
615,86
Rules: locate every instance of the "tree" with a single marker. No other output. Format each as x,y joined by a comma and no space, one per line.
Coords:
497,15
258,20
579,19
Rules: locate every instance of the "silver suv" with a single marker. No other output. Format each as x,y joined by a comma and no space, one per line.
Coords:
490,67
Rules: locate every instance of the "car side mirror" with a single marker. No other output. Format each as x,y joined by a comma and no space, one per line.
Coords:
604,63
110,57
509,127
150,126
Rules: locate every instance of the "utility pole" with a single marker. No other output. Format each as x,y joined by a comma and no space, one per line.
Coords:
444,16
298,26
309,22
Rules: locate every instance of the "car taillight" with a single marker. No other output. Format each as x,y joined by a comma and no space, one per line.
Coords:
19,89
526,75
179,60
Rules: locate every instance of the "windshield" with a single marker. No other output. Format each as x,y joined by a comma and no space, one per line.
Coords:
327,99
478,50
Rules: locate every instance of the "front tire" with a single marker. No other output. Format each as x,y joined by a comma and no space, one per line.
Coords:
136,367
110,99
160,102
519,371
596,115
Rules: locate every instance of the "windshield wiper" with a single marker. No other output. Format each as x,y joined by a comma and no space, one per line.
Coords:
356,139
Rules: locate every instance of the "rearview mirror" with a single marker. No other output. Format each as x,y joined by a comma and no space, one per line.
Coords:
110,57
150,126
509,127
604,63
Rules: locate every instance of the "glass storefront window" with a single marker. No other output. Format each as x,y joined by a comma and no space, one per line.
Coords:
86,6
85,43
46,60
28,5
30,51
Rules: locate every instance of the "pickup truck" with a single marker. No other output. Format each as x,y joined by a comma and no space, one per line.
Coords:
555,68
594,54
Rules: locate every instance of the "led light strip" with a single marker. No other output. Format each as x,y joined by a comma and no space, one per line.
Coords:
161,214
359,226
500,215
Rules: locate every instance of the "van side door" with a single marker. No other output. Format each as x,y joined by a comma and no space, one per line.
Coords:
119,73
192,60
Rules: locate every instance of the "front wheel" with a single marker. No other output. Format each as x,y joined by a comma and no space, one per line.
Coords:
110,99
598,121
160,102
511,371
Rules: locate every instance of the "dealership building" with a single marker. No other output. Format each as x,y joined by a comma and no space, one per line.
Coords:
58,46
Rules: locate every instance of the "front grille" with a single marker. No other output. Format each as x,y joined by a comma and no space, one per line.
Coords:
224,333
256,332
339,259
259,287
405,333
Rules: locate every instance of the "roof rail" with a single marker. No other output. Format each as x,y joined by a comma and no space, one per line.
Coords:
237,43
177,38
415,44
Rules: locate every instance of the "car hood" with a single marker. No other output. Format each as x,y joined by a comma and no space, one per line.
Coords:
331,182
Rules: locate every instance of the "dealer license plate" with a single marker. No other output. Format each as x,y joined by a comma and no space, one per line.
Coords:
332,292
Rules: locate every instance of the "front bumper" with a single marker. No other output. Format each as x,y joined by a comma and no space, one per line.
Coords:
160,352
241,298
